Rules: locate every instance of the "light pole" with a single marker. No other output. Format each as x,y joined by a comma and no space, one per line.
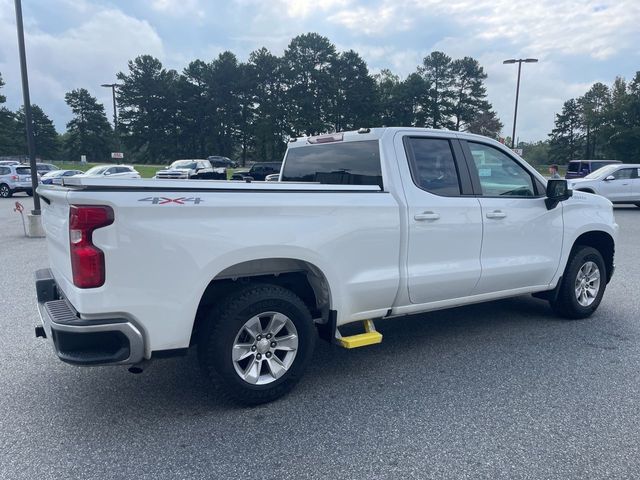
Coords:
28,119
519,61
113,86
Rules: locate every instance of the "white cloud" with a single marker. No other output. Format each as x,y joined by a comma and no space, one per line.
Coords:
178,7
86,55
596,28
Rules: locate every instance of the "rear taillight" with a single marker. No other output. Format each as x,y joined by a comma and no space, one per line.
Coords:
15,178
87,260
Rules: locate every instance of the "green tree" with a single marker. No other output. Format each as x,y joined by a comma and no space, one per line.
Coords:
387,85
11,142
536,153
593,106
566,139
437,71
469,93
269,120
89,132
194,121
148,103
485,122
309,61
45,137
222,94
355,96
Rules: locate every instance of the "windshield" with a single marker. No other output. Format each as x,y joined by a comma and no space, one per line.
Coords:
99,170
604,171
183,164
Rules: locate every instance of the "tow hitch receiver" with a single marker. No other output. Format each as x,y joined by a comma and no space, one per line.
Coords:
40,333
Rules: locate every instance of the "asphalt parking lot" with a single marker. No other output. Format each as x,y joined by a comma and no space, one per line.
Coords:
498,390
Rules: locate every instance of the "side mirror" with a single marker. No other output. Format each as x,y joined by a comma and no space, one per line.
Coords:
557,191
609,178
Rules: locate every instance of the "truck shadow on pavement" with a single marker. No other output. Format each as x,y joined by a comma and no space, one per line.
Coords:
420,353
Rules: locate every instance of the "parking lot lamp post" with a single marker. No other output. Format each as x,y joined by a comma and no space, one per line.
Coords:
519,61
28,119
113,86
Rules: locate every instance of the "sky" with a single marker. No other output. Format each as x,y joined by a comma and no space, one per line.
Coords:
84,43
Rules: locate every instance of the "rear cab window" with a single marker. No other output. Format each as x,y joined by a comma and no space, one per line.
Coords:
573,167
340,163
23,171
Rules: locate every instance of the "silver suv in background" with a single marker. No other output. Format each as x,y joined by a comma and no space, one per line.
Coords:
14,179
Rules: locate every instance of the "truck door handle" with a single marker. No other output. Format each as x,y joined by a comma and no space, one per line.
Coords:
496,214
426,216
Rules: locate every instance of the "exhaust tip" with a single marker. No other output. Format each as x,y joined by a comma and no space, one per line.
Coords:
136,370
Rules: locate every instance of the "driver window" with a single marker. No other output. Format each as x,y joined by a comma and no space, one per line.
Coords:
625,173
500,175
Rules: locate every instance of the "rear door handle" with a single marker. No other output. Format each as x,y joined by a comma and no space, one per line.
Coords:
496,214
426,216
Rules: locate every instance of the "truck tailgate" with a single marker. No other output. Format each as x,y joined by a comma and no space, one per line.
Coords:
55,220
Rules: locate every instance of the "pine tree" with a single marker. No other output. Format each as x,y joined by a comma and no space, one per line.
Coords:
11,142
566,139
468,103
437,71
148,100
309,60
47,143
89,132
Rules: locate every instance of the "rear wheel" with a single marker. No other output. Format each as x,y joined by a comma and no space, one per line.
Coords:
583,284
257,343
5,191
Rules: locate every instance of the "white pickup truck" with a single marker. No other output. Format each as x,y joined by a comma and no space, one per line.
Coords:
362,226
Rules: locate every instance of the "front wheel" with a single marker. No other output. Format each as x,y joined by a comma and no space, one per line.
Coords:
257,344
583,284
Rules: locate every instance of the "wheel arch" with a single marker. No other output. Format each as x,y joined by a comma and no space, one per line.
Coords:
601,241
300,276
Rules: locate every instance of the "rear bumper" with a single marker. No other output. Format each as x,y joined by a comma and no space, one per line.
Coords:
107,341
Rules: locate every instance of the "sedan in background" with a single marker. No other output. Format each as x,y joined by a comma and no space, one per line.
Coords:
620,183
48,178
44,168
112,171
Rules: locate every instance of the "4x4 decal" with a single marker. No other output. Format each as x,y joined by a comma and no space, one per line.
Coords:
166,200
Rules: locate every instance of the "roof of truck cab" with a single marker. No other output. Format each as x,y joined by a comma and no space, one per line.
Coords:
377,133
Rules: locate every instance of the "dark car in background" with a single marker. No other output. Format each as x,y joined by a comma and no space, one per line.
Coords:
260,170
582,168
225,162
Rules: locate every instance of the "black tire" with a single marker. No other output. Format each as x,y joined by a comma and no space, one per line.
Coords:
566,304
5,191
224,322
